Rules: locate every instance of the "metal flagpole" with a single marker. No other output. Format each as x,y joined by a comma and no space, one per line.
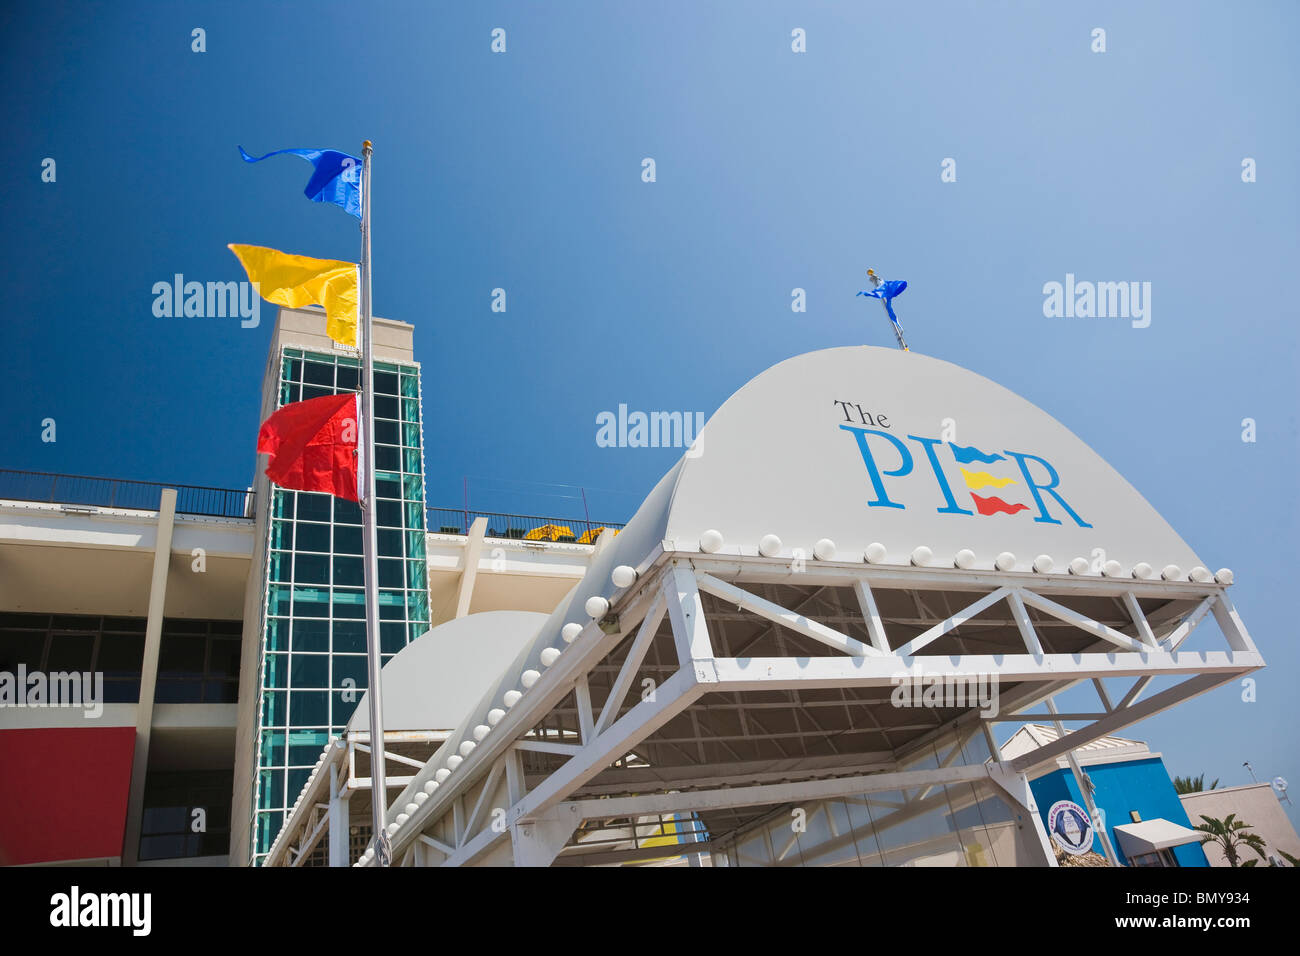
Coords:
876,282
369,532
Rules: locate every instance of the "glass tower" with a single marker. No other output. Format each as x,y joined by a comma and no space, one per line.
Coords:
313,667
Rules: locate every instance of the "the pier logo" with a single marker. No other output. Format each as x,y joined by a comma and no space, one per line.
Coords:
989,493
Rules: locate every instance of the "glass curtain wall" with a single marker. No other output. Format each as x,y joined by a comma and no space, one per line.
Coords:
314,644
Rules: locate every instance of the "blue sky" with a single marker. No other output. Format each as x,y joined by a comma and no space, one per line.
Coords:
775,170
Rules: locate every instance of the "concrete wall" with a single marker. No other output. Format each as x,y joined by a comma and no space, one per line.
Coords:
1255,804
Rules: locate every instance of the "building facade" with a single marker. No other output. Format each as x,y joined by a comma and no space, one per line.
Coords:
226,625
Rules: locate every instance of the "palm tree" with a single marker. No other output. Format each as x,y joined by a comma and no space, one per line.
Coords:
1230,834
1192,784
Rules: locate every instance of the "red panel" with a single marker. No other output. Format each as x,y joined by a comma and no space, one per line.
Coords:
63,793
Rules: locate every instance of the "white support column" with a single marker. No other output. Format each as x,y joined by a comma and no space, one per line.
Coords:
1085,785
686,612
582,695
1230,622
1139,619
515,787
875,623
340,820
473,550
539,841
162,554
1016,787
631,664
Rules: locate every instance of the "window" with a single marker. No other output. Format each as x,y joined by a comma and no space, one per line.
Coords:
198,662
186,814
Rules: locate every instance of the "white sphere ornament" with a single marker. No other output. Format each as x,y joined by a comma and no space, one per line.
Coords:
481,731
875,553
466,747
1201,575
420,797
769,546
529,677
391,828
1005,561
824,550
1079,566
596,606
494,716
401,819
1223,575
1143,571
1112,569
570,632
711,541
550,655
429,787
1043,564
964,559
441,774
454,761
624,576
411,808
1172,572
921,556
512,697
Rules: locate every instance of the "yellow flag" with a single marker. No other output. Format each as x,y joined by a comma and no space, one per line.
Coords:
295,281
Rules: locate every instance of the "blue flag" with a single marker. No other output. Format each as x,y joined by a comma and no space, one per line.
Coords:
887,290
337,178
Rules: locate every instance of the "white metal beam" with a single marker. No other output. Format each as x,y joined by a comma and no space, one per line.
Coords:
1083,622
786,618
791,673
954,621
631,664
686,613
871,613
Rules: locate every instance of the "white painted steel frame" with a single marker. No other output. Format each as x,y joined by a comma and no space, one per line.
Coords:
539,822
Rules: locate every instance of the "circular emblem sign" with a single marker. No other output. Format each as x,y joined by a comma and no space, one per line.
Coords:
1070,828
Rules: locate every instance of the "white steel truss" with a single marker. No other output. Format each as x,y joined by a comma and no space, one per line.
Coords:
719,688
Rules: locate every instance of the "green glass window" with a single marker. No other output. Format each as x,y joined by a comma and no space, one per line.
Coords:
311,635
310,670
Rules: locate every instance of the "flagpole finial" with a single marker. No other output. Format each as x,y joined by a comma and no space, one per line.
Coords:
367,146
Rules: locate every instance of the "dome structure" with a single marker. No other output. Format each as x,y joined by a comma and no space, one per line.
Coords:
431,682
847,520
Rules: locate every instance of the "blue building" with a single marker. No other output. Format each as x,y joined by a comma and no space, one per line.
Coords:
1143,814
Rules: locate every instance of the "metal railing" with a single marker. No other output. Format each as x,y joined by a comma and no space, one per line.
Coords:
520,527
238,503
120,493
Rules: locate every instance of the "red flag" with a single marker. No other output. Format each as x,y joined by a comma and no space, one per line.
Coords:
313,445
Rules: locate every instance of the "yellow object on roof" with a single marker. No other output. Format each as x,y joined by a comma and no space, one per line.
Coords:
549,532
591,536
